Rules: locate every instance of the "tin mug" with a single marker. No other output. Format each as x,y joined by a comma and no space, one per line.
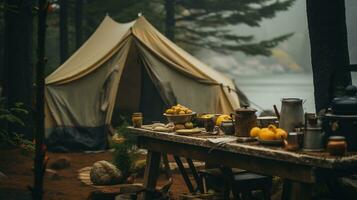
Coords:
292,142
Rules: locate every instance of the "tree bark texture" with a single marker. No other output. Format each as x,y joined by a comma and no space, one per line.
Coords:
18,66
329,50
170,19
63,30
18,51
78,22
40,162
1,49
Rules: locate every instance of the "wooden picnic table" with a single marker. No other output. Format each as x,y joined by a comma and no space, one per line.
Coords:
301,168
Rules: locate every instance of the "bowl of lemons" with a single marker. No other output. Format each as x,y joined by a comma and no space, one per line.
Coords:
270,135
179,114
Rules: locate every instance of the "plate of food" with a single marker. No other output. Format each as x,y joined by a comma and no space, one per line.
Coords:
188,131
269,136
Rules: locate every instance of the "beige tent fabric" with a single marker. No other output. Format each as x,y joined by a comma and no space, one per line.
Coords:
88,101
103,44
180,59
82,92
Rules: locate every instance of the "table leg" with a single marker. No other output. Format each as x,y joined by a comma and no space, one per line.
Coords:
151,174
165,160
184,174
295,190
195,175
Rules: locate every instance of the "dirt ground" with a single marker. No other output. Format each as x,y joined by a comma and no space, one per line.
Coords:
17,166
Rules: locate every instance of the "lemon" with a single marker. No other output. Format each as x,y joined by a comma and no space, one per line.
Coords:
266,134
280,134
170,111
254,132
272,127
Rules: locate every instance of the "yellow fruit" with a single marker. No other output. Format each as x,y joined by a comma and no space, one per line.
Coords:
266,134
189,125
254,132
222,118
188,111
170,111
207,116
272,127
281,134
181,112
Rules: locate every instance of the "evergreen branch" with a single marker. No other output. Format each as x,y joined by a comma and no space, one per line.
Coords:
200,45
191,17
218,34
261,48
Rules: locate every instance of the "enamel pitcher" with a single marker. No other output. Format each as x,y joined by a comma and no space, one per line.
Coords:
291,114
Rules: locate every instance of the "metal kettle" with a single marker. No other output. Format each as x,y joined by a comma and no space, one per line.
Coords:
291,114
245,120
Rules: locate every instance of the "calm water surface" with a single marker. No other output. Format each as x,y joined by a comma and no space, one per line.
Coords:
266,90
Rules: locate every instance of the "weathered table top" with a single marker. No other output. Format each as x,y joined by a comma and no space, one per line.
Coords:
314,159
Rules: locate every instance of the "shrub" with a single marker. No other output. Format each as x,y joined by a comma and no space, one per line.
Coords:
11,117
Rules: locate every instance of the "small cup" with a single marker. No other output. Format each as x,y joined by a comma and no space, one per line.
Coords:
292,142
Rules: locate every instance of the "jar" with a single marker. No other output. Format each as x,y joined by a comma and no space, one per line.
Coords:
137,120
337,145
292,142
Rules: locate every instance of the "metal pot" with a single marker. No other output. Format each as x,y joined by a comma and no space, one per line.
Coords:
227,127
245,120
346,105
341,119
341,125
265,121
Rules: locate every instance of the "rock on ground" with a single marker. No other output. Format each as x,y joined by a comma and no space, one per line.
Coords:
105,173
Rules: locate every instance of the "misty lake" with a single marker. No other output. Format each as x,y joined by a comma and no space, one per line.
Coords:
265,90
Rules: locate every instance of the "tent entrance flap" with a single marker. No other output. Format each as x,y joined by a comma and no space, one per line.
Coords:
128,95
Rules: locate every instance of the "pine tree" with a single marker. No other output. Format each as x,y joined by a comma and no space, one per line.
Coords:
199,23
203,24
63,15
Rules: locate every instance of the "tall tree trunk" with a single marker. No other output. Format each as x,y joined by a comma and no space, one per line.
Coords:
170,19
40,162
1,50
18,68
63,30
329,50
78,22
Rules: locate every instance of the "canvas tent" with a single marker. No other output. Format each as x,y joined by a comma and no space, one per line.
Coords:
127,67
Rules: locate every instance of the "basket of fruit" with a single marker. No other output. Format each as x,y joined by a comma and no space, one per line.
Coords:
269,136
179,114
